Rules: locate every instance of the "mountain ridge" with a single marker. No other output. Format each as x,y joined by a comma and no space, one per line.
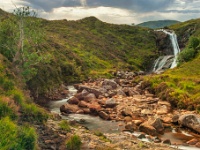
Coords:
158,23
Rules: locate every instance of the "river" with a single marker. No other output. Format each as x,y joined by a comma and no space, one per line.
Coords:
94,123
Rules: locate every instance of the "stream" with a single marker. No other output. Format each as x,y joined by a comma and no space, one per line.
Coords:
94,123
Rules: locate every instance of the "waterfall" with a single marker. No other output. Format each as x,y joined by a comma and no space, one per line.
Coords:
168,61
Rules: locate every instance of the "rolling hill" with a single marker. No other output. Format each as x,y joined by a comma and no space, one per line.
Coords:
158,24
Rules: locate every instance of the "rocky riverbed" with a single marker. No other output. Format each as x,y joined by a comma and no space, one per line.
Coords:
125,99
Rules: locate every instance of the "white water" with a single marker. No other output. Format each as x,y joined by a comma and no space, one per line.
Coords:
162,60
175,46
91,122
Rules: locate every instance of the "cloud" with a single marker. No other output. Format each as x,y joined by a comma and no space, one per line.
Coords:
83,3
112,11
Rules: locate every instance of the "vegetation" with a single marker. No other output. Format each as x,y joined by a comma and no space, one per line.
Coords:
102,136
180,86
158,24
74,143
64,125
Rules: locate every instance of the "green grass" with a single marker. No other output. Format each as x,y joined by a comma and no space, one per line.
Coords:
74,143
180,86
64,125
16,137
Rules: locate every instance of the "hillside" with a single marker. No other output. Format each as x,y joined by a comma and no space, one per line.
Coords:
89,48
158,24
60,52
180,86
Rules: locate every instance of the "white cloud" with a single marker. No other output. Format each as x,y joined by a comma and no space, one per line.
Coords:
179,10
83,3
107,14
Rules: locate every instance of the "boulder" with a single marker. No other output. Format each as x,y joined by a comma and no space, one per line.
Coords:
95,91
121,92
167,141
191,121
130,126
83,104
157,124
126,112
175,119
104,115
94,108
109,84
90,97
73,100
148,129
137,122
68,108
111,103
128,119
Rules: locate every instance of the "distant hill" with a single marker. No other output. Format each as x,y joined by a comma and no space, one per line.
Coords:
158,24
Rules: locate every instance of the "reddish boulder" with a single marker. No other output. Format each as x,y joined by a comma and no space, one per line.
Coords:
73,100
83,104
104,115
148,129
68,108
90,97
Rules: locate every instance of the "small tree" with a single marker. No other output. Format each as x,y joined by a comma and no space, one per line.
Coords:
27,54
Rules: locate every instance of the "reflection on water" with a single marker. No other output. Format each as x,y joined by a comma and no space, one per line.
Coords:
94,123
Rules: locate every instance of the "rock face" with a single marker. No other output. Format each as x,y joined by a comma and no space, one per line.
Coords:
191,121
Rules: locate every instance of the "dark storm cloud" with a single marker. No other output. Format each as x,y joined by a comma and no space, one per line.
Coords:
48,5
136,5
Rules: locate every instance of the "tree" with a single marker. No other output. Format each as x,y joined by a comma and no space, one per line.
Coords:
21,39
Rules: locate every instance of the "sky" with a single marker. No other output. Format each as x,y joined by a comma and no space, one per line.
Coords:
111,11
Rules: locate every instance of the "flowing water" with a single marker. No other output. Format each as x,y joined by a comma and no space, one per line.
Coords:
95,123
165,62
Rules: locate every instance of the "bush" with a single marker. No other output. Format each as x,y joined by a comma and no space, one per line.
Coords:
186,55
74,143
16,138
33,113
64,125
8,132
7,108
28,137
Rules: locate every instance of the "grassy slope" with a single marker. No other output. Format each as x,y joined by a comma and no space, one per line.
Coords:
181,85
91,48
158,24
15,110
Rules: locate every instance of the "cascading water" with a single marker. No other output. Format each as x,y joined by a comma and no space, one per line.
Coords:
169,61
